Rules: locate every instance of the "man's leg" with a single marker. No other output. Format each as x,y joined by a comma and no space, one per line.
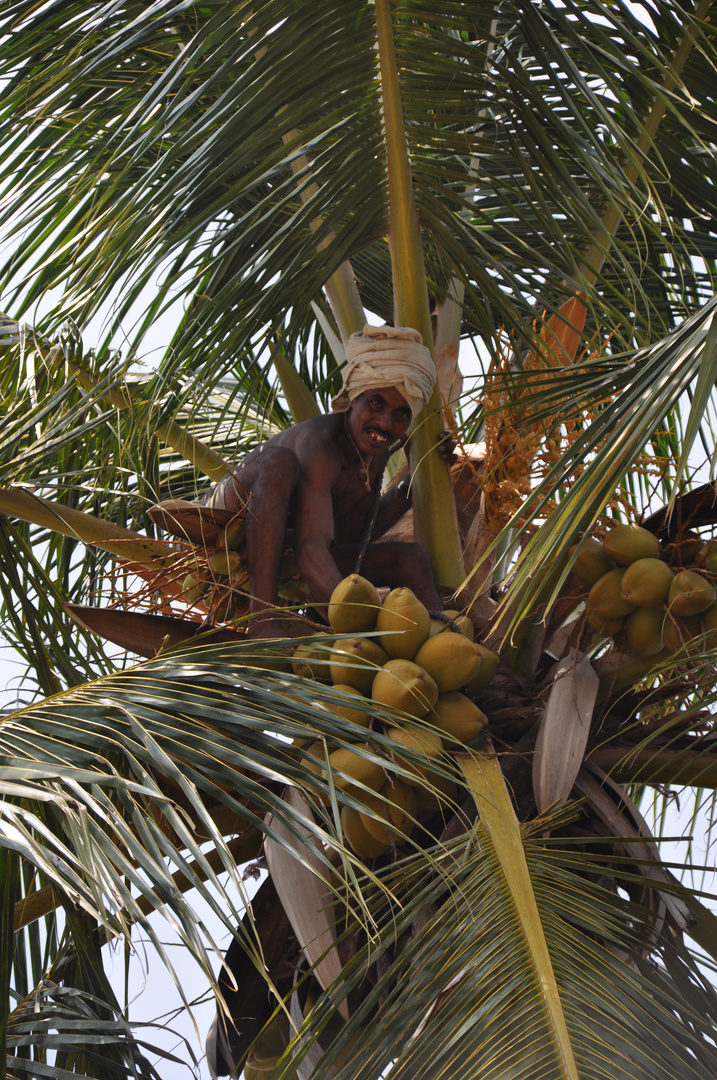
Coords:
393,564
269,477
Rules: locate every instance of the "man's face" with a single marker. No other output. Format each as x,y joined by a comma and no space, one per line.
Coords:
377,418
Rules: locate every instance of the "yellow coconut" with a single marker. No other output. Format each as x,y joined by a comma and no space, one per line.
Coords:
193,589
690,594
359,838
427,745
643,631
457,718
488,666
450,659
295,591
355,661
434,794
312,661
709,623
394,810
438,626
353,713
606,596
232,536
604,626
625,544
315,758
355,769
591,562
646,582
708,556
354,606
677,634
404,615
401,684
225,562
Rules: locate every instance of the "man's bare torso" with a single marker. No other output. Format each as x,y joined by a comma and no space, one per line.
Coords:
326,458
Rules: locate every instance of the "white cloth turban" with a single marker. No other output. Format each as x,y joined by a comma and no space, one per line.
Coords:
382,356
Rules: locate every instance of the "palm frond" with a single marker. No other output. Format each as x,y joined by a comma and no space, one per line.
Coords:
461,993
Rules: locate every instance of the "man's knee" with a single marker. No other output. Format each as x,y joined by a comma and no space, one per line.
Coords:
396,562
406,552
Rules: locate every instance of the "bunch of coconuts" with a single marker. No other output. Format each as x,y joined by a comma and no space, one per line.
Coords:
419,667
640,600
218,584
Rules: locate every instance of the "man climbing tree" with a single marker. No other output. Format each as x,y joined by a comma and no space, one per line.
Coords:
323,478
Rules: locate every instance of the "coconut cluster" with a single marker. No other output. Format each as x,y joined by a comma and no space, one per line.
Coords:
648,599
219,582
420,669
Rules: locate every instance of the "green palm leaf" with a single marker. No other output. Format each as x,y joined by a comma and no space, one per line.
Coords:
462,994
237,153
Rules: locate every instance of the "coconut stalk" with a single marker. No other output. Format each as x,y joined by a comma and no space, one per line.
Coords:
302,403
436,524
341,288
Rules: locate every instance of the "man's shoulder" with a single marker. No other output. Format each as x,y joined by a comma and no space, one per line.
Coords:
314,441
318,432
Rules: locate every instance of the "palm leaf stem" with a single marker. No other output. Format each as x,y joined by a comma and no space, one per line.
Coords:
500,823
341,288
436,524
119,541
644,765
596,253
343,295
242,848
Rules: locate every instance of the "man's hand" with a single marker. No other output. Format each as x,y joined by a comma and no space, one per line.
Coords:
446,447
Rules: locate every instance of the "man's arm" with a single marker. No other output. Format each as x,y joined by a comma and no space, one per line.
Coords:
394,504
314,522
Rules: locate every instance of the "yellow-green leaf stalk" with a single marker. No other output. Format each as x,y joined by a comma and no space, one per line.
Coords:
119,541
435,522
502,829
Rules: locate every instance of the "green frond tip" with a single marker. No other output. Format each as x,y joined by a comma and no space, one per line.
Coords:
302,403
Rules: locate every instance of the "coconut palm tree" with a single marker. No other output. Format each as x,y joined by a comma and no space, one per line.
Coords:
537,180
